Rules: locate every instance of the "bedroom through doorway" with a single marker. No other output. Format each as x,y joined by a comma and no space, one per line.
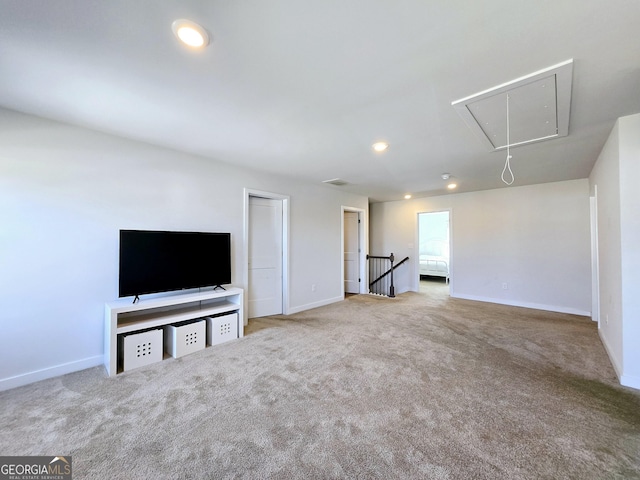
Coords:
434,254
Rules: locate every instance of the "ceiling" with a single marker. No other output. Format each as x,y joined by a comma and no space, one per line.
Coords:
303,89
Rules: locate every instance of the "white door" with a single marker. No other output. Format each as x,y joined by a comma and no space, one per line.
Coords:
265,257
351,254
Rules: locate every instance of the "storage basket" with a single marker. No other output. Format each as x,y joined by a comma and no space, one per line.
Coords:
222,329
139,349
182,339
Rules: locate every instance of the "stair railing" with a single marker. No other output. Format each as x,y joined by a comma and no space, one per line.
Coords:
381,274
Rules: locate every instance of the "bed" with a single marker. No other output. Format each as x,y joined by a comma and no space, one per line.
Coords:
434,259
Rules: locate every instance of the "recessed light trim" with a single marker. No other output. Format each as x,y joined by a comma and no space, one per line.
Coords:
190,33
380,146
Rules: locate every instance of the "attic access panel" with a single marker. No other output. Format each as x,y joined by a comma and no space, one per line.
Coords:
539,106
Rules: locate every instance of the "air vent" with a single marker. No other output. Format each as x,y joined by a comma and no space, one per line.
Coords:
336,181
539,106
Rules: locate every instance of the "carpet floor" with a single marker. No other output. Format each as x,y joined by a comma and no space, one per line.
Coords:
420,386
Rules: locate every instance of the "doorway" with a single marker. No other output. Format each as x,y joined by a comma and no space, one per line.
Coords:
434,253
266,254
353,251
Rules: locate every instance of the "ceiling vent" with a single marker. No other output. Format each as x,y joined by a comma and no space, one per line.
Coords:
336,181
539,106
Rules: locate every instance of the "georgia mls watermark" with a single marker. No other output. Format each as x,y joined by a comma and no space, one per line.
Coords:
35,468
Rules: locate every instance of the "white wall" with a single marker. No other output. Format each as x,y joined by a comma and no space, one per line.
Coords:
606,175
65,192
616,175
630,245
533,238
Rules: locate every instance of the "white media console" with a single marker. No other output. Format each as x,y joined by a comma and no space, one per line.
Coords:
124,317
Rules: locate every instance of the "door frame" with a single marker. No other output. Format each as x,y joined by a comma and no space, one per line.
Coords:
595,257
417,249
249,192
363,241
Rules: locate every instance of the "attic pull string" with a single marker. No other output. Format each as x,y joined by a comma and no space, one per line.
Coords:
507,163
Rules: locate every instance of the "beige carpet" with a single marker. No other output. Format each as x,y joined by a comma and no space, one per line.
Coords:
421,386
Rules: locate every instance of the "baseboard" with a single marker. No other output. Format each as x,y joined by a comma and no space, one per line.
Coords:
535,306
45,373
625,380
630,381
309,306
612,358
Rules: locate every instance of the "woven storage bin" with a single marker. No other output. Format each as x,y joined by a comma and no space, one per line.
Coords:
182,339
222,329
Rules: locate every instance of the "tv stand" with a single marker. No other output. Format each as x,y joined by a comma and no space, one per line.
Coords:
219,286
121,316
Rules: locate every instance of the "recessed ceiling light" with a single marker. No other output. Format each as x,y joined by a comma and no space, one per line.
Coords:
190,33
445,176
451,186
380,146
407,196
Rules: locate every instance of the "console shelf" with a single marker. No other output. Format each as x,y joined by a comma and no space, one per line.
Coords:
122,316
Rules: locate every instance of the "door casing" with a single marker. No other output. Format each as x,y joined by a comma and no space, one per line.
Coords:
417,249
363,229
285,246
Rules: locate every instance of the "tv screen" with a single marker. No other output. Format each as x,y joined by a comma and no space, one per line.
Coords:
155,261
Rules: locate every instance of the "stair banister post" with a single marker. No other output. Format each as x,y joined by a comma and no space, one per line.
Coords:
392,290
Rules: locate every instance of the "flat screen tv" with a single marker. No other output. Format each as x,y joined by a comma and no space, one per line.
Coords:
155,261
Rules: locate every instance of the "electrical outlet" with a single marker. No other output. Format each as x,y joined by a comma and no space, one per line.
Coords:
313,287
505,286
606,319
